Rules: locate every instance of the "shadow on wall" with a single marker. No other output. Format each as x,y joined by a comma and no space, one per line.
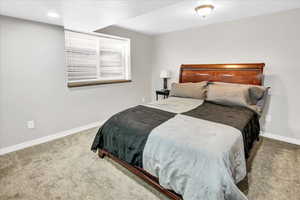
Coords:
276,107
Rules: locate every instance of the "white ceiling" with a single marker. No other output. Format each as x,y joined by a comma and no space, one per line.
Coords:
82,15
182,15
147,16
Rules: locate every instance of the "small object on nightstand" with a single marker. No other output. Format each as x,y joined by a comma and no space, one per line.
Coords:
165,93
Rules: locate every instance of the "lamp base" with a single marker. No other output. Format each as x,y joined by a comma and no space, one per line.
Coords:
165,84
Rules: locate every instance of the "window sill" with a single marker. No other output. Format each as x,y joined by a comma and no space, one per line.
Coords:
89,83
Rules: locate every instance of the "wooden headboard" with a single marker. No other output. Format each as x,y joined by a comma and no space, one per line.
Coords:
247,73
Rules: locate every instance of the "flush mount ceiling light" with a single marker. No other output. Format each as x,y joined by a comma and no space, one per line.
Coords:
53,14
204,10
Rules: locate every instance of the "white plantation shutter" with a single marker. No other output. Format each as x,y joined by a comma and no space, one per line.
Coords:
81,54
111,64
113,59
94,58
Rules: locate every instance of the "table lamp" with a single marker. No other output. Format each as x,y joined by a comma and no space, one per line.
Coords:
165,74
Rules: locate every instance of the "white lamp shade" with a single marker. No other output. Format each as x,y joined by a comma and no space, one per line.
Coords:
165,74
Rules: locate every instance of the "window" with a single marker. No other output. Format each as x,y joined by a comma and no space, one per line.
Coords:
96,59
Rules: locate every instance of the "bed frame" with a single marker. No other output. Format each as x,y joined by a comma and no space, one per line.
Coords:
250,73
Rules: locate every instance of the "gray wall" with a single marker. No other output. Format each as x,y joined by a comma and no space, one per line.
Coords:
273,39
33,83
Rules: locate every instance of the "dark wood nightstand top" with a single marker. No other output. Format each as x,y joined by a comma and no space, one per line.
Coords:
165,93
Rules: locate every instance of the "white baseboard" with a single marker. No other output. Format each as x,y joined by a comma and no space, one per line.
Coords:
48,138
280,138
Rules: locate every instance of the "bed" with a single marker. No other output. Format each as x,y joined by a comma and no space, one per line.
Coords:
136,137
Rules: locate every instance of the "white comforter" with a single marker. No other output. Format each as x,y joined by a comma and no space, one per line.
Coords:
199,159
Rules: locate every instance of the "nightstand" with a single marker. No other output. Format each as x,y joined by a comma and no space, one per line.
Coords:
165,93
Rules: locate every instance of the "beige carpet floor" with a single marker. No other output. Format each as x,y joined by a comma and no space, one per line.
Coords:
66,169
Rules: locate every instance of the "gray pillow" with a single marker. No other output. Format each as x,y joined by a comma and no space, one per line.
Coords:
189,90
250,96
